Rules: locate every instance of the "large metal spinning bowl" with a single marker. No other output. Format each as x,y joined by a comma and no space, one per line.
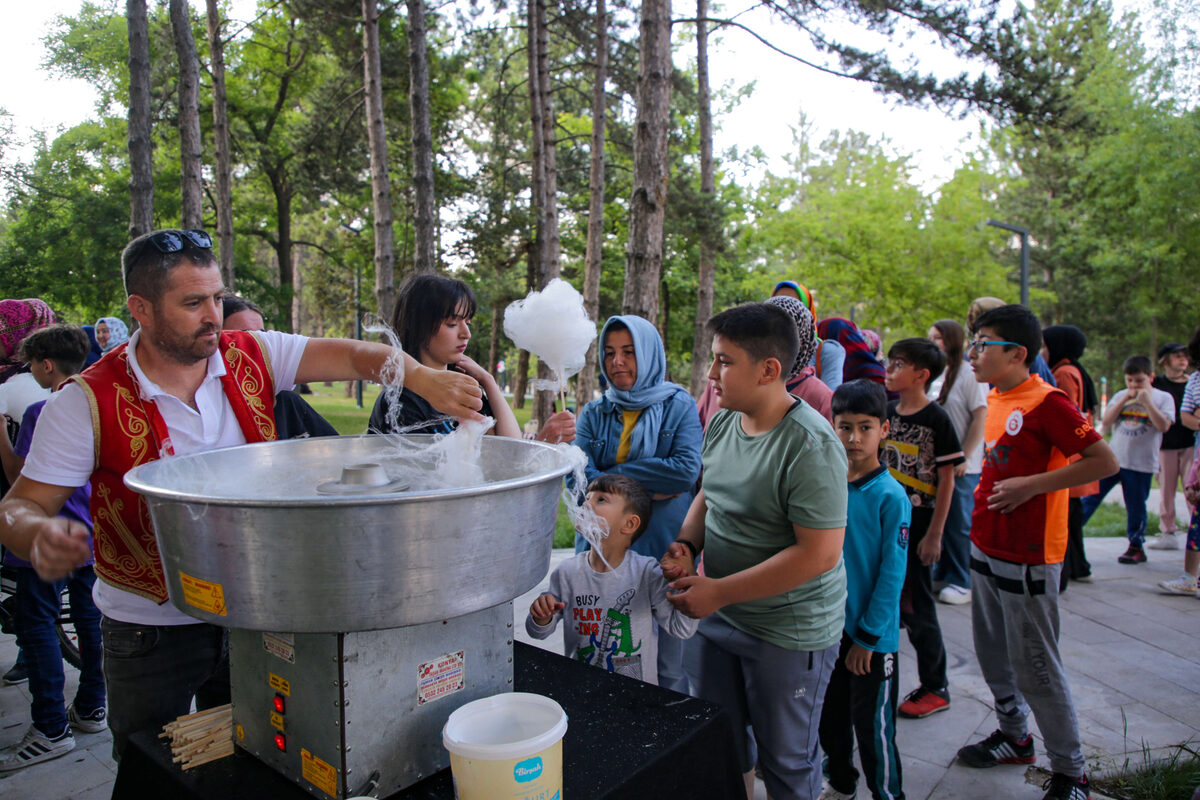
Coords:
248,541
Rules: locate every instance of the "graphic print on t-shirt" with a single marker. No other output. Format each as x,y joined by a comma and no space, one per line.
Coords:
908,453
1134,421
608,629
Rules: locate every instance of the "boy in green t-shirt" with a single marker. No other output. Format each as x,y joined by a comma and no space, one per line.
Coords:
770,520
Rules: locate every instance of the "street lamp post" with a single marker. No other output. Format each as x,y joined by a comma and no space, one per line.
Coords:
1024,232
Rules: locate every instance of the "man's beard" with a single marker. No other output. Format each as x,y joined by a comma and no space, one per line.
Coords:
183,349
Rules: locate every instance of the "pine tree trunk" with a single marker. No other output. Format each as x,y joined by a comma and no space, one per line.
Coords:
594,259
545,181
141,165
282,189
702,341
647,207
191,179
424,257
381,188
221,145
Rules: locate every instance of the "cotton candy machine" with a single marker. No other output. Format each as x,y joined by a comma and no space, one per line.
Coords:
365,604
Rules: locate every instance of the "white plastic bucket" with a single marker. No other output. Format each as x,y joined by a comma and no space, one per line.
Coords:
507,746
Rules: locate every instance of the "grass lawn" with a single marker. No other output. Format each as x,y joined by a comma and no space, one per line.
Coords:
1109,520
332,404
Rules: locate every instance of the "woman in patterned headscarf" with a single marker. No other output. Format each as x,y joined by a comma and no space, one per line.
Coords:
18,319
801,380
111,332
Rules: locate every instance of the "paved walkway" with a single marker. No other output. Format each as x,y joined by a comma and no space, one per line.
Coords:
1133,656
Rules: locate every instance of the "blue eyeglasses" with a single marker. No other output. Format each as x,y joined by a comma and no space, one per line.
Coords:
981,345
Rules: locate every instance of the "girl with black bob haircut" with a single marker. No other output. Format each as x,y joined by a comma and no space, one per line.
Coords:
432,318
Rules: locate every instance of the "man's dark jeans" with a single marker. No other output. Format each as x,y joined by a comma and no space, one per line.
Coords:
154,672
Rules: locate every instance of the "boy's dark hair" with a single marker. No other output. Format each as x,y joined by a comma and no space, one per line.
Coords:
66,345
1014,323
922,353
763,330
1138,365
637,499
232,304
144,267
423,303
861,396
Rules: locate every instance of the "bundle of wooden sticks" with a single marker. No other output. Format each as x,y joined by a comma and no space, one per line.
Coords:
201,737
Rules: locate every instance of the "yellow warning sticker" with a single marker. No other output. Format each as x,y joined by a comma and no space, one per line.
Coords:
241,733
279,684
277,720
204,595
318,773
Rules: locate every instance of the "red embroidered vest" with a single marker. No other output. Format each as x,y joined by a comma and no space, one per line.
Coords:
129,430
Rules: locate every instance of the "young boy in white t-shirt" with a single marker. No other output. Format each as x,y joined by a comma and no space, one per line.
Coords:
1137,416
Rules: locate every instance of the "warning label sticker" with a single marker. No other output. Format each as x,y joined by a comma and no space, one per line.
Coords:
204,595
441,677
281,645
318,773
279,684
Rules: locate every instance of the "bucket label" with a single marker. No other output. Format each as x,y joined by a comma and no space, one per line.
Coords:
204,595
281,645
440,677
318,773
528,770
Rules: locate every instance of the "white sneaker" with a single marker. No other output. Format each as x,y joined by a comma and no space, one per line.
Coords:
1184,584
93,722
954,595
34,748
1164,541
829,793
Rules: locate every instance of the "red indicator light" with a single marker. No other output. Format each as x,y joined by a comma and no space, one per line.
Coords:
277,701
281,742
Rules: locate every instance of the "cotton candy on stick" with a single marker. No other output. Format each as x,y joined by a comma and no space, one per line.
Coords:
553,325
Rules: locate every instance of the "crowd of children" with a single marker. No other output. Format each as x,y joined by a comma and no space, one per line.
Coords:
806,580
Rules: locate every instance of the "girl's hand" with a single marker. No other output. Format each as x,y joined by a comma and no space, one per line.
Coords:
467,366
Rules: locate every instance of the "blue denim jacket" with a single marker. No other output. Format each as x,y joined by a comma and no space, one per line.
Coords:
674,469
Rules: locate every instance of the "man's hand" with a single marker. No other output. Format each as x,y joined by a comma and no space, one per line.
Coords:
59,547
858,660
677,563
1010,493
929,549
696,597
559,428
453,393
544,608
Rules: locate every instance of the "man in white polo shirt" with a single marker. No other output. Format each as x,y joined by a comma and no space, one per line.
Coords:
179,386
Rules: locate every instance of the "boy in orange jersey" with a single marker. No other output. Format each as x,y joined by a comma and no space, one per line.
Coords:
1018,539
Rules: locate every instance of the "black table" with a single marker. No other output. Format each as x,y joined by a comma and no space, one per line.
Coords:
625,739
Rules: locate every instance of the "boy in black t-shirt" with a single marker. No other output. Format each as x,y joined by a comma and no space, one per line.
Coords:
1175,454
921,452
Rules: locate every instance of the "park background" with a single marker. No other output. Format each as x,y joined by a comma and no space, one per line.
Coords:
1077,120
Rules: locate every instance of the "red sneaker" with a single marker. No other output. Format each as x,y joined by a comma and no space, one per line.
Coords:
922,702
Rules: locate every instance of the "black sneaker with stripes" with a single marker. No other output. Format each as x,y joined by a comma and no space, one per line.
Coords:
1064,787
998,749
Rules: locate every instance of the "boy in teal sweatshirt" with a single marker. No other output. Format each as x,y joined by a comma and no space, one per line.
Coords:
863,690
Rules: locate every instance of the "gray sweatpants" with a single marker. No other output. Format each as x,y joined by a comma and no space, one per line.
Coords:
777,693
1014,615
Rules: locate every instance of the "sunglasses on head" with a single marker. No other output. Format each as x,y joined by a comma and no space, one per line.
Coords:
172,241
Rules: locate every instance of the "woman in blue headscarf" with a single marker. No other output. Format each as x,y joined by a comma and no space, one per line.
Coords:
111,332
647,428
